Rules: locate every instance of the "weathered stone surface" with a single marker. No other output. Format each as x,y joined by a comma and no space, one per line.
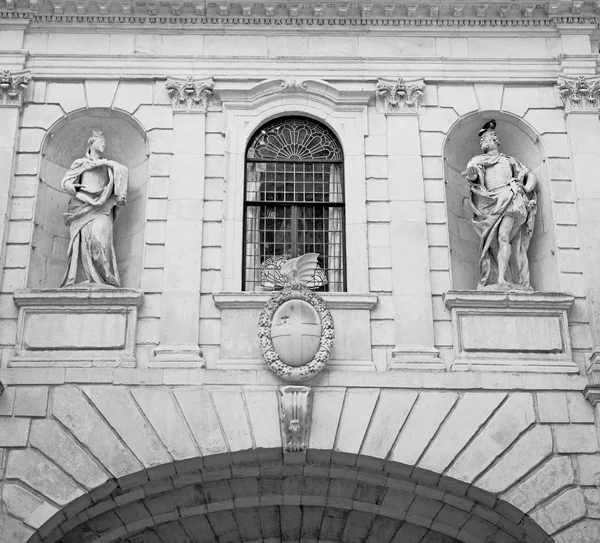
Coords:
356,414
232,414
551,477
264,417
564,509
11,530
120,411
470,414
19,501
200,415
425,419
390,414
31,401
327,407
582,532
160,409
14,432
552,407
32,468
527,452
576,438
71,408
49,437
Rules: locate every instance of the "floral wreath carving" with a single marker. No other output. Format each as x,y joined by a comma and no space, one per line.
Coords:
295,291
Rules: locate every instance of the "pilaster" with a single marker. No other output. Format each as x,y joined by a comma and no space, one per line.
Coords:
13,89
180,311
581,99
411,285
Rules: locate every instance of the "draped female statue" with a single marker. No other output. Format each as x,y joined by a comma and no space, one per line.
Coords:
98,188
503,202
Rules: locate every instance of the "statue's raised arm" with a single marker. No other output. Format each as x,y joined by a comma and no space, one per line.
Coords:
503,200
98,187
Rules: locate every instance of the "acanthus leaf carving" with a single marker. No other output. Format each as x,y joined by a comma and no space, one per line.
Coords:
294,414
13,87
190,94
400,97
579,94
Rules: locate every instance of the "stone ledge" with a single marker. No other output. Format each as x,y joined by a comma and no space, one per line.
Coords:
256,300
511,331
76,327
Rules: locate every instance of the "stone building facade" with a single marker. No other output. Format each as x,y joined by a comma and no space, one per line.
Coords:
446,414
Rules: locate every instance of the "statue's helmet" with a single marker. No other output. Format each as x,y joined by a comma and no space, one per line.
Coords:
488,133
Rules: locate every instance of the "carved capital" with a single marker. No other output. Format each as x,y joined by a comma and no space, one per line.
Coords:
191,95
13,87
400,97
580,93
294,413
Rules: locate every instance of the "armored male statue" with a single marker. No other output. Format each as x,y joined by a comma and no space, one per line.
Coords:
98,188
503,202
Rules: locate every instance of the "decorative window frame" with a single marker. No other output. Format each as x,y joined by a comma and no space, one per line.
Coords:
344,111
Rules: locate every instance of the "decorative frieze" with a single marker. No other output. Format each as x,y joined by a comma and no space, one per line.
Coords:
13,86
294,413
191,95
580,93
400,97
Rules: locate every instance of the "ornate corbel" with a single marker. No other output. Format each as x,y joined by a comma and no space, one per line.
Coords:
190,95
13,86
294,413
580,93
400,97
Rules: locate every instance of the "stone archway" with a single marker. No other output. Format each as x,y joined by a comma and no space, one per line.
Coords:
253,496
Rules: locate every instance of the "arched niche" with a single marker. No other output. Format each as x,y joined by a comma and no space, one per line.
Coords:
520,141
67,140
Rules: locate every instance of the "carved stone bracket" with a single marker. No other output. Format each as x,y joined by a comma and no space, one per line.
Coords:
580,93
190,95
13,87
294,413
400,97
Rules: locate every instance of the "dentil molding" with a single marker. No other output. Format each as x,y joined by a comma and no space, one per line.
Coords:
13,87
189,94
580,94
393,13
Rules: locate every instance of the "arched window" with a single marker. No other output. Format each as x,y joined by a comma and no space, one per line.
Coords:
293,202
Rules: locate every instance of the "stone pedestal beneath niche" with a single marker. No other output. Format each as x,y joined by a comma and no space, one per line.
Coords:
511,331
76,326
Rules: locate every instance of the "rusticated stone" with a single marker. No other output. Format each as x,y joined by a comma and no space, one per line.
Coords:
32,468
19,501
71,408
11,530
61,448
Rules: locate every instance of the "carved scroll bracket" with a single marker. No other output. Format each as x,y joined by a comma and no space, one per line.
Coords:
294,413
13,87
400,97
580,94
190,95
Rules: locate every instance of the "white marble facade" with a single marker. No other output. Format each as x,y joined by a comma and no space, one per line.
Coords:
416,400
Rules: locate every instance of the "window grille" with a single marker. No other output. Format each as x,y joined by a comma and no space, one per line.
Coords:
294,202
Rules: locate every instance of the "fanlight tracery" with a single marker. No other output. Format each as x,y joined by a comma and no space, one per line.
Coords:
295,139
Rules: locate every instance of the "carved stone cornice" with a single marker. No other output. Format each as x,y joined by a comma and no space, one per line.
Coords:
393,13
400,97
190,95
294,414
13,86
580,94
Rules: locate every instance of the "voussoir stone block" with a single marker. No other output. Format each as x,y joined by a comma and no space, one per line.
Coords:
14,432
529,450
552,476
49,437
355,418
500,432
33,469
13,530
73,410
117,406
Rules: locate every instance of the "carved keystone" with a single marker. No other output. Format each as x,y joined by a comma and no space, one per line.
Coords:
294,413
13,87
400,97
579,94
190,94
